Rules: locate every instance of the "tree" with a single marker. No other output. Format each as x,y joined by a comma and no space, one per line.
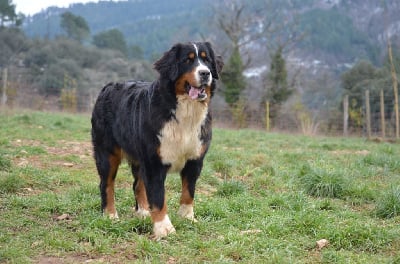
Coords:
235,22
277,88
12,43
8,15
76,27
356,80
111,39
364,76
232,77
136,52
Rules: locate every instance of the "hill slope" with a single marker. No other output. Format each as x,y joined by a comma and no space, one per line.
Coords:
336,31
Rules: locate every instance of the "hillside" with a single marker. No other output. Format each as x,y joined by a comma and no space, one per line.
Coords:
151,24
336,31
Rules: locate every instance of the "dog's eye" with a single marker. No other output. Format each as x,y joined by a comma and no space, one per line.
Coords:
190,58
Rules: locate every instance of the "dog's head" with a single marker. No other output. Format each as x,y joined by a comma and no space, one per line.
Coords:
192,67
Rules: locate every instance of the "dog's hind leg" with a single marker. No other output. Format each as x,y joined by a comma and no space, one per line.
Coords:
107,166
189,176
142,206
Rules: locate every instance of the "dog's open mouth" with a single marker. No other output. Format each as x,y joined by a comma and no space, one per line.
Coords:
196,93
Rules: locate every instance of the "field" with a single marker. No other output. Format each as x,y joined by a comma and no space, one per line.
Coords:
262,198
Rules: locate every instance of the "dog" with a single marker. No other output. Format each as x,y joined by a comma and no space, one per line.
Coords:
160,127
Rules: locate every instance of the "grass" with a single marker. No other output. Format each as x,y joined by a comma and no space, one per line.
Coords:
389,204
262,197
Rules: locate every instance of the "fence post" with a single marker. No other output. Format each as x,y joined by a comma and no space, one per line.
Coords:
395,88
345,115
396,109
383,124
4,93
267,121
368,114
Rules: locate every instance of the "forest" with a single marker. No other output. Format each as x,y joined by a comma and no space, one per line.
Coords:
298,57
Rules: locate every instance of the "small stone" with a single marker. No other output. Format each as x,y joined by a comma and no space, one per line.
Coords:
322,243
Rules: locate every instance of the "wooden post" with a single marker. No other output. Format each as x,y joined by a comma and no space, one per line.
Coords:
267,116
346,115
368,114
383,124
396,106
4,93
395,89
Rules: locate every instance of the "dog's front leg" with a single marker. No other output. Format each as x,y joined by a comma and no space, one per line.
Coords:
155,190
189,176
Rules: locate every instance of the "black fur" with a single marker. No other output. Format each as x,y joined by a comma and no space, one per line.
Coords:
129,116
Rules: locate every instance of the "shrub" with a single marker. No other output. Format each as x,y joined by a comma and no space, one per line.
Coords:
11,183
389,204
5,163
322,183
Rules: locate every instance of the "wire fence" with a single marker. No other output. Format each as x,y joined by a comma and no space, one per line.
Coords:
372,117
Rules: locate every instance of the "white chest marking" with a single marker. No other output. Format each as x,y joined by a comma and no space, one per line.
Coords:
180,137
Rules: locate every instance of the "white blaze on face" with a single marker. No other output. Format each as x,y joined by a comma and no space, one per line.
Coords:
200,67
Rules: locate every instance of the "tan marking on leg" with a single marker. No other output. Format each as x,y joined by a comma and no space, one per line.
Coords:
186,202
159,214
185,195
141,199
114,160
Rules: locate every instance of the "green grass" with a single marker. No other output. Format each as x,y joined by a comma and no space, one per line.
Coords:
261,198
388,205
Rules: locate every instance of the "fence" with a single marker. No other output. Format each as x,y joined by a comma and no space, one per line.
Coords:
379,116
367,120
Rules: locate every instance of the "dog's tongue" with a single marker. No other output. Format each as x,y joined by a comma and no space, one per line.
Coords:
194,92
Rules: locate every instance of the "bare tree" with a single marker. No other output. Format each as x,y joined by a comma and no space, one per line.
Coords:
249,26
237,24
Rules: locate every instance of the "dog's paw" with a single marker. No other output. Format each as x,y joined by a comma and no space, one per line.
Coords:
142,213
112,215
163,228
186,211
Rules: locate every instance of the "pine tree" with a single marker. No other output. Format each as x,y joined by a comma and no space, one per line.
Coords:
76,27
276,84
8,15
279,90
232,77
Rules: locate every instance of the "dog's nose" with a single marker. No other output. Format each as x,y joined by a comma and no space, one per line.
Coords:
204,74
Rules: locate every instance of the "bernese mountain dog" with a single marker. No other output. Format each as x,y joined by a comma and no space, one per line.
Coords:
159,127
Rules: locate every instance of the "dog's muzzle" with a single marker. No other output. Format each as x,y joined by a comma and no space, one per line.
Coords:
196,93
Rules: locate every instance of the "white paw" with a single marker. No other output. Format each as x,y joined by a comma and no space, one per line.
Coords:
112,215
163,228
142,213
186,211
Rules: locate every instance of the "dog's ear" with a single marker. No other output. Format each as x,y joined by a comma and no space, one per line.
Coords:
217,62
167,65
